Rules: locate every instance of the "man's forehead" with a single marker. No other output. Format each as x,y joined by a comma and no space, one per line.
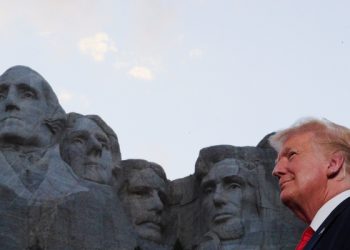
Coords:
297,140
222,170
86,124
21,75
146,177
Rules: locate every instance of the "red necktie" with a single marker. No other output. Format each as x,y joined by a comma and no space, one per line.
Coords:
305,238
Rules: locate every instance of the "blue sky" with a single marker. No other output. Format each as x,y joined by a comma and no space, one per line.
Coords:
172,77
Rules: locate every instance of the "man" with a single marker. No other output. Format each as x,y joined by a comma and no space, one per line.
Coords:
143,189
31,121
226,196
90,147
314,177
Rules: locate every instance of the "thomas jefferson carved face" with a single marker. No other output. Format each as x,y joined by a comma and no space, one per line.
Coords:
86,149
23,107
222,199
143,200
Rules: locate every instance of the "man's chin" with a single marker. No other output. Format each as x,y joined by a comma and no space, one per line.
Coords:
286,197
230,230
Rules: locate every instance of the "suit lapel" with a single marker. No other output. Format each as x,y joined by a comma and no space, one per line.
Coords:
327,223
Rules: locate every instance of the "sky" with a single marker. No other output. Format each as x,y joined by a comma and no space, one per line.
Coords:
172,77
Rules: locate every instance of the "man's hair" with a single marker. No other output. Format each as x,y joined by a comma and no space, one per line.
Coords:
129,167
112,137
210,156
329,135
56,116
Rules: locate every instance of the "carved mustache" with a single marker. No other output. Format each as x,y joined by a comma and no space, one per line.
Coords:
153,218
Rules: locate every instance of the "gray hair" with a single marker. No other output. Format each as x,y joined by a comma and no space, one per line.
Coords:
329,135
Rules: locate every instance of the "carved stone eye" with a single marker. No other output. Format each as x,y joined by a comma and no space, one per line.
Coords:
234,186
28,94
78,140
208,189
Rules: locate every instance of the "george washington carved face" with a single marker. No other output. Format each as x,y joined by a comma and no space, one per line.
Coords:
27,103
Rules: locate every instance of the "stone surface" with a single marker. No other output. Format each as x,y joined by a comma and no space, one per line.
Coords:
143,190
63,185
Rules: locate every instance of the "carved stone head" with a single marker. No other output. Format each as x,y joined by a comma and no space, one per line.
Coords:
90,147
30,114
143,194
221,199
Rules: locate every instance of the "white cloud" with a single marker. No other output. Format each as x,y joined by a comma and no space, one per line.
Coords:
97,46
196,52
141,73
65,96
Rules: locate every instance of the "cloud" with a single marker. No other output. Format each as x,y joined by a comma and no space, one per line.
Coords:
141,73
97,46
64,96
196,53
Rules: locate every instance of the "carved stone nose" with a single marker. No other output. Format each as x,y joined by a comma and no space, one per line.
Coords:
94,147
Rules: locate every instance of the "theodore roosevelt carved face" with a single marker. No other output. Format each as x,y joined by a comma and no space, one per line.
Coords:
143,195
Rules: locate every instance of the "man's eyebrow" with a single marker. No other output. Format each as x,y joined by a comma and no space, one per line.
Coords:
24,86
233,178
284,152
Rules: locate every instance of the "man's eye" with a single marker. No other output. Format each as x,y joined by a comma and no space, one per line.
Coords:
2,96
234,186
142,191
78,140
139,192
28,94
291,155
208,189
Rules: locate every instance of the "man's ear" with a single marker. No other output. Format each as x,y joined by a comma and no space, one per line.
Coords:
336,164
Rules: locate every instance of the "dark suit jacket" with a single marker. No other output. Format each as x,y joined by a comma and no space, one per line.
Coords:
334,232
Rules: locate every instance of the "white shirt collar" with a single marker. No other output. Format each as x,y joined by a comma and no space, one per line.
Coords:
327,208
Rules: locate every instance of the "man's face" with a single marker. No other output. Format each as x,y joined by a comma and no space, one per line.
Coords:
22,106
86,149
222,197
301,169
144,202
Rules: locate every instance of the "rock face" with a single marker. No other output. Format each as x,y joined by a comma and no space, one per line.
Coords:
63,185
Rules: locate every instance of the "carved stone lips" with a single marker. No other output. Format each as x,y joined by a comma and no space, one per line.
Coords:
10,118
151,222
221,217
152,225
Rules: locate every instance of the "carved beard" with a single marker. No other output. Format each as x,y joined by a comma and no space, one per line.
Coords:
230,231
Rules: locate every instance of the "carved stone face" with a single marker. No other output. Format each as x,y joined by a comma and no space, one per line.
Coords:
143,200
222,200
22,108
86,149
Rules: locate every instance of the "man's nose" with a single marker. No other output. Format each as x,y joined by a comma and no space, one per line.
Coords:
11,100
94,147
156,203
279,168
219,197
